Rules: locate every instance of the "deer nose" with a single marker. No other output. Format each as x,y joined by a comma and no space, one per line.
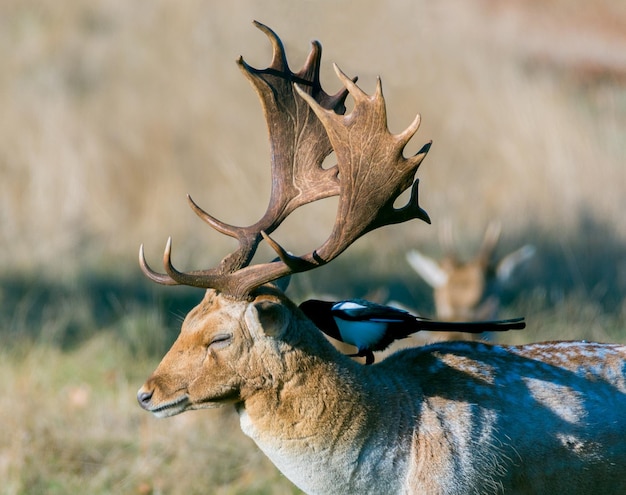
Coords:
144,398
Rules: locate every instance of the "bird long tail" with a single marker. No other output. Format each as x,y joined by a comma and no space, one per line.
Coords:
473,326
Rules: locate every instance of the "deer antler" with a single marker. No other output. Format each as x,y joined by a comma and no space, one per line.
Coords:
298,147
370,175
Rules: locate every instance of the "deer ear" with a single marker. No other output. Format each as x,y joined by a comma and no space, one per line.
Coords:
266,318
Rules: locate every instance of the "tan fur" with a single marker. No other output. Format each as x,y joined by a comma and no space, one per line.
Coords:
450,418
466,290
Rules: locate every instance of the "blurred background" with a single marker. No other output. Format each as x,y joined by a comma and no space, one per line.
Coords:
113,111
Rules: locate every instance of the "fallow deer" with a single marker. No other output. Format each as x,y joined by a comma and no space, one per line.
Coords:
450,418
460,288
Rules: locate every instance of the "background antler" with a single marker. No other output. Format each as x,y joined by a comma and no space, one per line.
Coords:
370,175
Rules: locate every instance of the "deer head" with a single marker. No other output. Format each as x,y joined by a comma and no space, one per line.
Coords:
468,289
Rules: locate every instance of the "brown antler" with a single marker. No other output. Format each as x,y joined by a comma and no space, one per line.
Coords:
372,170
370,175
298,146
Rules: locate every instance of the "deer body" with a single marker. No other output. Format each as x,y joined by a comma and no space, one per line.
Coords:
449,418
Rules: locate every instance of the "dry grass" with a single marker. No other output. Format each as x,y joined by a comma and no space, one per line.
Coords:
73,426
113,111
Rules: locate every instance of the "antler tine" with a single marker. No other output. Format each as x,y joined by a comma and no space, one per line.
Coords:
247,237
279,60
221,227
446,238
489,243
157,277
172,275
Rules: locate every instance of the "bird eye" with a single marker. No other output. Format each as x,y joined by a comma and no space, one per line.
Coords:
221,340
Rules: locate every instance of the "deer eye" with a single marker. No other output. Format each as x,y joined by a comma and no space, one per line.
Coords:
221,340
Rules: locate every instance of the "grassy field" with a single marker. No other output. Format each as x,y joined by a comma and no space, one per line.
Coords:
113,111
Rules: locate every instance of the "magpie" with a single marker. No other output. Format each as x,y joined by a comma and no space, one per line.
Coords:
373,327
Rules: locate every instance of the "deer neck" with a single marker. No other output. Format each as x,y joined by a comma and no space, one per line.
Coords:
310,423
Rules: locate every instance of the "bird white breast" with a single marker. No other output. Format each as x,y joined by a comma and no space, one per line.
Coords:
363,334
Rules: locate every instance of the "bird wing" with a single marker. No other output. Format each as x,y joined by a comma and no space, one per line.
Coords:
359,309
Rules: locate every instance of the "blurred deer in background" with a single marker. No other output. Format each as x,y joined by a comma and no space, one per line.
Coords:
451,418
468,290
